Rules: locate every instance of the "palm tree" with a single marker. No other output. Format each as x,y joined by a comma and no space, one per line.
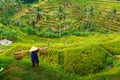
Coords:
113,13
39,14
19,5
89,14
61,14
91,10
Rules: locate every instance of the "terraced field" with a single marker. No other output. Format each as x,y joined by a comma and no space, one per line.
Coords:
85,52
77,13
82,40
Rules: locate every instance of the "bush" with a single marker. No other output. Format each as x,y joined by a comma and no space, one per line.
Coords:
77,33
85,60
109,60
50,35
29,1
40,34
13,35
65,32
30,30
8,34
11,12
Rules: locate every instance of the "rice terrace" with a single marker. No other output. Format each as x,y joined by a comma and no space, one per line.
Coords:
59,39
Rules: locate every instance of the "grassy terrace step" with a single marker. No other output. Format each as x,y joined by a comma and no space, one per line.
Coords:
22,70
87,56
50,8
69,47
70,44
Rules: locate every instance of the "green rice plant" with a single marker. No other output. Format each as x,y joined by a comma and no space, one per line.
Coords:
113,47
19,47
52,56
30,30
78,33
85,60
51,35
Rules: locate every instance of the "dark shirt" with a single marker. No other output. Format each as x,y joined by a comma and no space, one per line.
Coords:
34,57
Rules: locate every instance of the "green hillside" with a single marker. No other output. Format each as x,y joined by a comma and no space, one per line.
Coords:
82,39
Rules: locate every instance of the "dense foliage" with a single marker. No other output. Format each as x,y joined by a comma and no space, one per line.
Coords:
29,1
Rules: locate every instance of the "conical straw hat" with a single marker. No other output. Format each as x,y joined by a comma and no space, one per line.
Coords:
33,49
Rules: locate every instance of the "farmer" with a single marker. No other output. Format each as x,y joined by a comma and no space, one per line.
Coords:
34,56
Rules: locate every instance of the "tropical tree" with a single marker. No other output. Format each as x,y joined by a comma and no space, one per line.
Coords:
61,15
4,15
29,1
8,10
113,14
19,5
89,12
33,23
39,14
